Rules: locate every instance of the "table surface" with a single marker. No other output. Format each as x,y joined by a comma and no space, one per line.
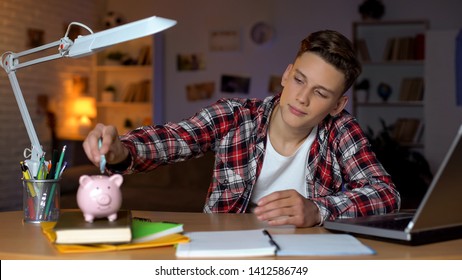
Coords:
26,241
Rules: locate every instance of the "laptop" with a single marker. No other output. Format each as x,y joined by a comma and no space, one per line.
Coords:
438,217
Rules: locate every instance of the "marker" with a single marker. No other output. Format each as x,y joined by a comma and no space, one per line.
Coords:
26,175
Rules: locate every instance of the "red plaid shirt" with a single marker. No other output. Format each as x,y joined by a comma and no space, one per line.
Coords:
344,177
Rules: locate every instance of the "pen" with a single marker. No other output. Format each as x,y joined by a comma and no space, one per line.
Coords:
271,240
102,162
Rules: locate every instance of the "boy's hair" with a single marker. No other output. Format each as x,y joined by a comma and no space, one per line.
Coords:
336,50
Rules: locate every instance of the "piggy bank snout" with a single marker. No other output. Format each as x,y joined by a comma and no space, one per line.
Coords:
104,199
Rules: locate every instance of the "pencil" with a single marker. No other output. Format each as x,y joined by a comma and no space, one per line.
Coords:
53,187
60,163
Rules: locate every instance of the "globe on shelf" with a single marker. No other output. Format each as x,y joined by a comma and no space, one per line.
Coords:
384,91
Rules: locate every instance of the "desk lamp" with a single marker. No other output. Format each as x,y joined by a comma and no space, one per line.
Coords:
83,45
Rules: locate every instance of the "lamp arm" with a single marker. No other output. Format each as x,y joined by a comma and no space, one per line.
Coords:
36,149
10,62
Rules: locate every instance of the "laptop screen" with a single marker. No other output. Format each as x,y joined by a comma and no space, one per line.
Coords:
442,204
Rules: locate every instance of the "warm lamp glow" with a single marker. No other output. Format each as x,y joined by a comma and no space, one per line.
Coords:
85,107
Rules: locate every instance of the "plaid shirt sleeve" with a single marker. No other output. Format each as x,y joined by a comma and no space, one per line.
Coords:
349,181
151,146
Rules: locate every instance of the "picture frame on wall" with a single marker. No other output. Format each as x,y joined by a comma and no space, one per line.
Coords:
224,40
235,84
190,62
200,91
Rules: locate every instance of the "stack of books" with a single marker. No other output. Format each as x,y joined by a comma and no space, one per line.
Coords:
126,232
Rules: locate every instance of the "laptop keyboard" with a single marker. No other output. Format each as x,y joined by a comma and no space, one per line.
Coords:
393,224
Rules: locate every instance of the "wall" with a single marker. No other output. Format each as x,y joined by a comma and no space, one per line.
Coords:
440,80
51,78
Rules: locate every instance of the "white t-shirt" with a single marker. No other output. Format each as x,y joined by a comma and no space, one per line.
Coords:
283,173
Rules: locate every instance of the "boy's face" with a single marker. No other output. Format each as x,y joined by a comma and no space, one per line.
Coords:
313,89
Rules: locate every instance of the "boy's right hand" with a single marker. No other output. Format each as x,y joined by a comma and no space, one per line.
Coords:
111,147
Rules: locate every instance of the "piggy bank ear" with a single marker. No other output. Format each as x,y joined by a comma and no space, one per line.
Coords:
84,180
117,179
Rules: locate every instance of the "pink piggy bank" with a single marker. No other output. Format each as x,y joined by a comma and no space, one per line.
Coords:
99,196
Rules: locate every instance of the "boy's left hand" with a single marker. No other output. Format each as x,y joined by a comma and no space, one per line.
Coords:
287,207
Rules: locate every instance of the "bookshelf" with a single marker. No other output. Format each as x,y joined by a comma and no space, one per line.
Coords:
124,83
391,86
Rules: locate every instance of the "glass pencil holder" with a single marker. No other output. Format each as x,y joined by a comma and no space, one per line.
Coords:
41,200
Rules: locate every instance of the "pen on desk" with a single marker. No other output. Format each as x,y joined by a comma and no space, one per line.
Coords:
102,162
271,240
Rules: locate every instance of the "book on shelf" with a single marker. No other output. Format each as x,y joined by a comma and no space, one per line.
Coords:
412,89
72,228
144,56
405,48
146,230
259,243
138,92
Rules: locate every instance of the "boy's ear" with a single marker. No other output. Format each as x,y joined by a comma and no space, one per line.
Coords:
285,76
341,103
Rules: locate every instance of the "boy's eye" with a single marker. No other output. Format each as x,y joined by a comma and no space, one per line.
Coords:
320,93
298,80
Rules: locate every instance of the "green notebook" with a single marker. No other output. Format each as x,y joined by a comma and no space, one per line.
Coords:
144,230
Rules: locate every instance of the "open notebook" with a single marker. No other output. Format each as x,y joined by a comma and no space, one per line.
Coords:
260,243
438,217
